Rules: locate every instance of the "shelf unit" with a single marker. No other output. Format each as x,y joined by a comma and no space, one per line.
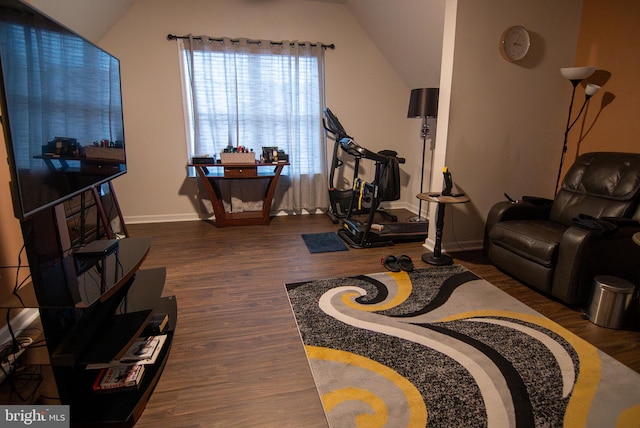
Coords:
93,307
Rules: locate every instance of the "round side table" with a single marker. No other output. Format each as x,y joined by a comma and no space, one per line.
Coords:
436,257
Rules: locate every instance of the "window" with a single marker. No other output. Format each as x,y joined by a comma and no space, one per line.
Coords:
255,94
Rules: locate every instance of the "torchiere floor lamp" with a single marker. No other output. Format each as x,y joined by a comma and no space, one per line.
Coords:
423,104
575,76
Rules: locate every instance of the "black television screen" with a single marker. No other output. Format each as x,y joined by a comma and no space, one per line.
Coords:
61,109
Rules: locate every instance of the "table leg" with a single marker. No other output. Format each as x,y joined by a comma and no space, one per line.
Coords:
271,191
437,258
212,189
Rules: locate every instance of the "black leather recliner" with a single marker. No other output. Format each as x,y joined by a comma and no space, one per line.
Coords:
557,247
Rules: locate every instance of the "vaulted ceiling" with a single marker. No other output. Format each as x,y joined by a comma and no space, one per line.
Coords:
91,18
408,33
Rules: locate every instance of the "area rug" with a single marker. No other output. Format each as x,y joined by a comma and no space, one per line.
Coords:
441,347
323,242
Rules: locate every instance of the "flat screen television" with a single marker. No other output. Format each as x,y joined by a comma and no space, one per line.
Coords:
62,112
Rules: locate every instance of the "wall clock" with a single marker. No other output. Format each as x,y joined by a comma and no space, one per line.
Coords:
514,43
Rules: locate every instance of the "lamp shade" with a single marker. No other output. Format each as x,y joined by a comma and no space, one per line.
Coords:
423,103
591,89
577,73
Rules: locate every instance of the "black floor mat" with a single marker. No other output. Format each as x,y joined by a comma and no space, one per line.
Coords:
324,242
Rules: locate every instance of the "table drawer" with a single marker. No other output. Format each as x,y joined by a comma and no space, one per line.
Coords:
240,171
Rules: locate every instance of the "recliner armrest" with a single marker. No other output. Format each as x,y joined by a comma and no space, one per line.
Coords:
607,226
536,200
505,211
626,227
584,254
623,221
569,282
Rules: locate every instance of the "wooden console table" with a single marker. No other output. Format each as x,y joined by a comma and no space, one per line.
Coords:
210,174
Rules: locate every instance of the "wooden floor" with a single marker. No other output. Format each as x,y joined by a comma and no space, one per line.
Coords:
237,359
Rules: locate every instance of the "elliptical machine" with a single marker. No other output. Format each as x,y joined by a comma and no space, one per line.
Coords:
365,198
340,200
356,200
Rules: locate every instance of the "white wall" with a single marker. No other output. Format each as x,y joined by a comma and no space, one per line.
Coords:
361,88
505,121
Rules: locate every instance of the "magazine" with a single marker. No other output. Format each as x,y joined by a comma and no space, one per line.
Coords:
130,357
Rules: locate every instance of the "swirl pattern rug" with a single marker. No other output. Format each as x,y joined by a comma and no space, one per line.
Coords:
441,347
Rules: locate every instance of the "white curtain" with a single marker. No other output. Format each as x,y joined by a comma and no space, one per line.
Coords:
254,94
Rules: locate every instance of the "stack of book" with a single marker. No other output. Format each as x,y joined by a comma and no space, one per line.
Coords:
127,371
111,378
157,324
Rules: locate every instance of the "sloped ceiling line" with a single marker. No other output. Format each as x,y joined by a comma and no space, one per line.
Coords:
407,33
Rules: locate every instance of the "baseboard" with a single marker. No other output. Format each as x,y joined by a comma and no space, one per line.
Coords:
184,217
455,246
397,205
452,246
168,218
141,219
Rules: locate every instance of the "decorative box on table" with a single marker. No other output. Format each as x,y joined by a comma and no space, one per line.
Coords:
113,153
242,158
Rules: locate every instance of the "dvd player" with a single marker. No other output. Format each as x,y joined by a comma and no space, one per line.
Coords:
97,248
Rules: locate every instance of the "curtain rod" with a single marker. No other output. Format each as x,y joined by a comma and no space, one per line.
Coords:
212,39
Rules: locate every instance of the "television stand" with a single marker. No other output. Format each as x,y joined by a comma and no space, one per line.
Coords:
93,307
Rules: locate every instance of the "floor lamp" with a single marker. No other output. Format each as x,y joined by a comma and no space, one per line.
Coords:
575,75
423,104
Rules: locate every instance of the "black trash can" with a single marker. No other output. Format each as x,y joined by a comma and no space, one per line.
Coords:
610,299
